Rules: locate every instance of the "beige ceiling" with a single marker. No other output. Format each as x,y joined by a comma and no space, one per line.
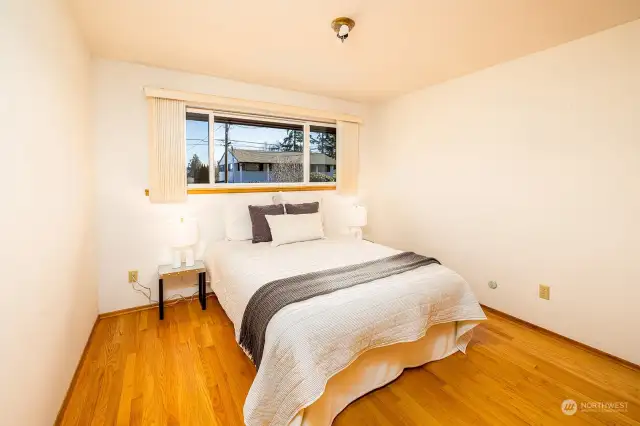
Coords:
396,46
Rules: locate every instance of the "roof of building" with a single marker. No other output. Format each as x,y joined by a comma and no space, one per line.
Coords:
254,156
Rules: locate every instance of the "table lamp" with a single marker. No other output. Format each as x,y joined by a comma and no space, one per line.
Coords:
357,220
184,234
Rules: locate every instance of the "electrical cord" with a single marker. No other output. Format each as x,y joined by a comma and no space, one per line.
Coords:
179,297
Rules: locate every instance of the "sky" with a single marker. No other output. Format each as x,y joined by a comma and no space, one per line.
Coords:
242,137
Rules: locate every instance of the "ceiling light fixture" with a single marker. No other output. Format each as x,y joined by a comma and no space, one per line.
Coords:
342,26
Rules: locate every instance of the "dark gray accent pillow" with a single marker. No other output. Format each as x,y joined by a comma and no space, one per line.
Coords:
304,208
259,224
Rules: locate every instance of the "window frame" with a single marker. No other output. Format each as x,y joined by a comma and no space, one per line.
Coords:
260,187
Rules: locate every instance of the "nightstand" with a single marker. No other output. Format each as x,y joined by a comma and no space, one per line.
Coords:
169,271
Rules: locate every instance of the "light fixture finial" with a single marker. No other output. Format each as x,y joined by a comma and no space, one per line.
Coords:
342,26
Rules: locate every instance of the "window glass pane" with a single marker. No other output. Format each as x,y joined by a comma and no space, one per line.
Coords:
323,154
258,152
197,131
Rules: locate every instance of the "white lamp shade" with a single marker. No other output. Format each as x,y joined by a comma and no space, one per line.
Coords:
358,216
183,232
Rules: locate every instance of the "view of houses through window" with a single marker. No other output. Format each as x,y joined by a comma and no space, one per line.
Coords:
258,152
323,154
255,151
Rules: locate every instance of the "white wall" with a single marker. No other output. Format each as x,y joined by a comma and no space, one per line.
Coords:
48,287
525,173
130,229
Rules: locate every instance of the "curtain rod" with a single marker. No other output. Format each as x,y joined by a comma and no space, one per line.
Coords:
234,105
266,117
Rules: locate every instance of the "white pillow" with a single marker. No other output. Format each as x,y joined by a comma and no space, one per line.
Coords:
293,228
237,222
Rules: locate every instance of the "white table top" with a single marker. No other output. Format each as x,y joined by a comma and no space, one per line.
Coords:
167,270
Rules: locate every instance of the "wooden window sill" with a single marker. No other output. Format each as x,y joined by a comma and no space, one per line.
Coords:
246,189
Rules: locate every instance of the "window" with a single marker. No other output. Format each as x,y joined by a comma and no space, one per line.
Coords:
264,152
249,150
197,135
253,167
322,140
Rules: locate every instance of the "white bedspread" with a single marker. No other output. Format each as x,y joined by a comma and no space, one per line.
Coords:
308,342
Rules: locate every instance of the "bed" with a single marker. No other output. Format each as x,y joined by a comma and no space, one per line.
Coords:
323,353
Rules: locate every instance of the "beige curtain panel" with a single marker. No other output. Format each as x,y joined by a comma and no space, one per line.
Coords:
167,175
348,157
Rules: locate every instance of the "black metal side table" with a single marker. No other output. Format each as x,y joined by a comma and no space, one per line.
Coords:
169,271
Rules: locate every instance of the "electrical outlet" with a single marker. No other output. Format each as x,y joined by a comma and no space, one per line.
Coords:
133,276
544,292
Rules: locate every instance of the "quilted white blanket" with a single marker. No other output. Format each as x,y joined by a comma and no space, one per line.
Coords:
308,342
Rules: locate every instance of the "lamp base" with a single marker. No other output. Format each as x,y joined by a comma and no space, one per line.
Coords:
356,232
176,261
189,257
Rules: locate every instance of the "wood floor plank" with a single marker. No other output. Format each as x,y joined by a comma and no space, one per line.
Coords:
124,406
188,370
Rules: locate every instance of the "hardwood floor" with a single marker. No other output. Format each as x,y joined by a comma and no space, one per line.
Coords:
188,370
